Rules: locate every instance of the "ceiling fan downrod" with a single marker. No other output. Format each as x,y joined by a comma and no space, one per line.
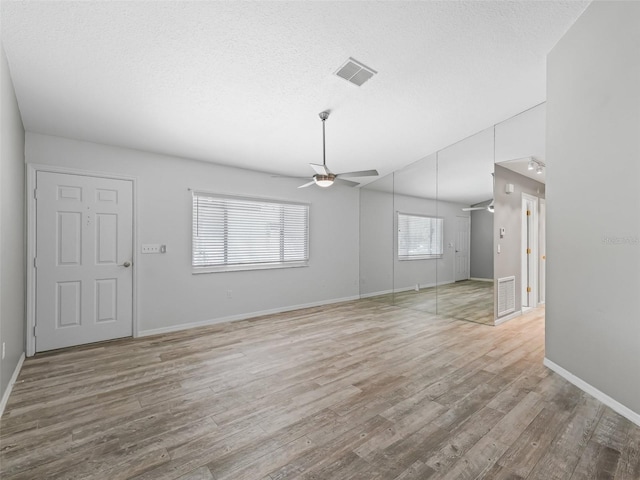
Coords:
323,116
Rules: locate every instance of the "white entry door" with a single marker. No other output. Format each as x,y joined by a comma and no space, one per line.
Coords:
84,249
463,239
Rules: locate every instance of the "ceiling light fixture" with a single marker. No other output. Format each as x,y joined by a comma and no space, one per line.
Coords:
323,177
536,165
324,181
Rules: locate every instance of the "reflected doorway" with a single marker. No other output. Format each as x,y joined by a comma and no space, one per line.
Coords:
463,241
529,251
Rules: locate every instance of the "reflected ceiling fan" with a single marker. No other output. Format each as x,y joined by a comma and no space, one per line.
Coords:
324,177
490,208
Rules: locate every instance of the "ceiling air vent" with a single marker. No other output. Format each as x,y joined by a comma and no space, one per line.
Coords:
355,72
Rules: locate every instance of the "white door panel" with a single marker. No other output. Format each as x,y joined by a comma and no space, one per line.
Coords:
463,240
84,236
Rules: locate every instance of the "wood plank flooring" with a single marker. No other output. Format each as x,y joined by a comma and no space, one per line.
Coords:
358,390
470,300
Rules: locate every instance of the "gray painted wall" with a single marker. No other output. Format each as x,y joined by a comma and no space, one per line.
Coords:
166,283
481,250
508,214
12,229
593,198
380,269
376,241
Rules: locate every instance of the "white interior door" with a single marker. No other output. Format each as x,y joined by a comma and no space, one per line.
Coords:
84,249
463,239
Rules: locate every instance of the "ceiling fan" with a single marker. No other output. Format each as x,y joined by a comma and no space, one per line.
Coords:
489,207
324,177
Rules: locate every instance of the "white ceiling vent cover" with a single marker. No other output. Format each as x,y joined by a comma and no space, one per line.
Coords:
355,72
506,295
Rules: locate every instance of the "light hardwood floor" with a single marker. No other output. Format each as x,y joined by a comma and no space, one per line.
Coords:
357,390
470,300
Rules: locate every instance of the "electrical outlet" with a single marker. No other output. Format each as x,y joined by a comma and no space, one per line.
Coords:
229,293
3,345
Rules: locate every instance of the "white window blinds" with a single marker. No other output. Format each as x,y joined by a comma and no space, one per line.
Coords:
419,237
232,233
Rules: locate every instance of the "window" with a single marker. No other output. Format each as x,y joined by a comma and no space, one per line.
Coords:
419,237
233,233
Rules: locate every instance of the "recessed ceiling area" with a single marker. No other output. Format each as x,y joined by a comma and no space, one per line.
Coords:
242,83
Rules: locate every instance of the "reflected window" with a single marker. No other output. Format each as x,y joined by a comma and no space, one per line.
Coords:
419,237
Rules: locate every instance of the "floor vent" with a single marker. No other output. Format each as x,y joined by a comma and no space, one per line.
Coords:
355,72
506,295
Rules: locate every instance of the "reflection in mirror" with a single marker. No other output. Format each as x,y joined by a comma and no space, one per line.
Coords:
520,187
376,240
465,201
429,233
418,240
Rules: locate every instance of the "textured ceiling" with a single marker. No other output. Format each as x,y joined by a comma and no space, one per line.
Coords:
241,83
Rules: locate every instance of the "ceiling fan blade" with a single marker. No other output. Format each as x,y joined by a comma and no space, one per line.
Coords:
319,169
362,173
307,184
346,182
471,209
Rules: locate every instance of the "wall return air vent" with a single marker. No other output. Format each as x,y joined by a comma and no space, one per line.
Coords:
355,72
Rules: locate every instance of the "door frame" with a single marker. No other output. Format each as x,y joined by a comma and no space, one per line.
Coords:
532,239
542,251
31,173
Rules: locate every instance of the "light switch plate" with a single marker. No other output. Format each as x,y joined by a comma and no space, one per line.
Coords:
151,248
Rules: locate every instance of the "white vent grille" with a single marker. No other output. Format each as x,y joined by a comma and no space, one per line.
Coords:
355,72
506,295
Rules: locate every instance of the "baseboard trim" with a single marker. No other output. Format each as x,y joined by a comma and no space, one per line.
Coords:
12,381
405,289
508,317
477,279
242,316
376,294
594,392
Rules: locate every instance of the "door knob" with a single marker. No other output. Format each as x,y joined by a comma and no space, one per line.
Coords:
126,264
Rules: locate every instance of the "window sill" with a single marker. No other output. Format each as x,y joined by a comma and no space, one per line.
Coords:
421,257
242,268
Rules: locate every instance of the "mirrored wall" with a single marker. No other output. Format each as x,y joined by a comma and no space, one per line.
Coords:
429,233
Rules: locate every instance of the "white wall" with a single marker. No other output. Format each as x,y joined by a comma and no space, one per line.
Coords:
593,198
376,242
12,230
169,296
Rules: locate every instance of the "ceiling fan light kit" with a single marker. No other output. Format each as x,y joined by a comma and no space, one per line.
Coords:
325,178
324,181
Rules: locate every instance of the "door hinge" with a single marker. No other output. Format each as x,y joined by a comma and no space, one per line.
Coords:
35,193
528,213
528,289
35,331
35,262
528,251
